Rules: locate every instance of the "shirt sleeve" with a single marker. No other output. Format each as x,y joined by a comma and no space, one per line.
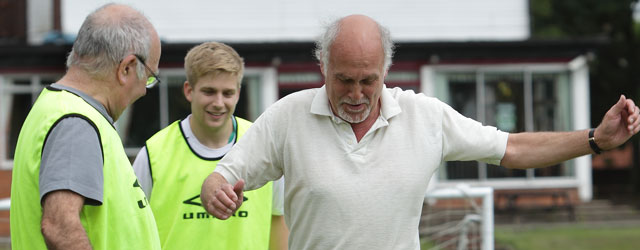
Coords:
255,158
72,160
142,169
277,205
465,139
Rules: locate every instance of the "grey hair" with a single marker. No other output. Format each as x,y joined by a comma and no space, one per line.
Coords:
103,42
324,42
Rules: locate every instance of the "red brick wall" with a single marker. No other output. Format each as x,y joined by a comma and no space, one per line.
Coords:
536,197
5,191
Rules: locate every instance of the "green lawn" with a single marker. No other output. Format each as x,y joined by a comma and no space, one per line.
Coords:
568,237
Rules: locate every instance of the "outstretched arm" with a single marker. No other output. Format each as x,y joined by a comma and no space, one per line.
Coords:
540,149
219,198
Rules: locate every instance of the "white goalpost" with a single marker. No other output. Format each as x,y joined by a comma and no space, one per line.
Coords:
458,218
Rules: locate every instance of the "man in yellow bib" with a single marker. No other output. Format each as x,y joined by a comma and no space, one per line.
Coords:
176,160
73,186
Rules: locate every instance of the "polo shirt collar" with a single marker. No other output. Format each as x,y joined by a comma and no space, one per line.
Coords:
320,104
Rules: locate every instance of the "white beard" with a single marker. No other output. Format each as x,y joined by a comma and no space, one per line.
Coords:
352,117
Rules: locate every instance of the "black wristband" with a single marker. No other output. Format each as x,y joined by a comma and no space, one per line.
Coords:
592,142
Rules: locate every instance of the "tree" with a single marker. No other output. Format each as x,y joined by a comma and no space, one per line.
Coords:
616,68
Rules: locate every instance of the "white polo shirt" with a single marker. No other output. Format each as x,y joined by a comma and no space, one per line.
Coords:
344,194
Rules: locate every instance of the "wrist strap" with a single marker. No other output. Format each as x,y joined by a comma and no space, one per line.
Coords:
592,142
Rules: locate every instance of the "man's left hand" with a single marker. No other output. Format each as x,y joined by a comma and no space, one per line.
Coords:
618,125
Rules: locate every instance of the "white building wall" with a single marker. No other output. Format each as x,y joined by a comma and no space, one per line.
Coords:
301,20
39,20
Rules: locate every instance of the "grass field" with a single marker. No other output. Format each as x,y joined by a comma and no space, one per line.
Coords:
568,237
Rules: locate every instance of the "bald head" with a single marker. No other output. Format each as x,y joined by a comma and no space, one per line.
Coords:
359,27
112,13
358,37
108,35
355,33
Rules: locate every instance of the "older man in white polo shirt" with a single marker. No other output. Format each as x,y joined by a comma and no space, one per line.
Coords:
358,156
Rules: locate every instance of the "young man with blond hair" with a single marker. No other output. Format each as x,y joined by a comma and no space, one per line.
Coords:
175,161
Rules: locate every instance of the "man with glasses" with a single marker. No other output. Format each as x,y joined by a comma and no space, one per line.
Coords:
73,186
153,79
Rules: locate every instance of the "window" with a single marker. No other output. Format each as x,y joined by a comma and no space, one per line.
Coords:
551,111
513,100
17,94
166,103
157,109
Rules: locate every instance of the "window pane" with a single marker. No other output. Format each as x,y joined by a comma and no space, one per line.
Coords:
494,171
457,170
179,107
551,113
19,100
504,108
462,94
20,106
504,101
248,106
19,82
144,119
462,97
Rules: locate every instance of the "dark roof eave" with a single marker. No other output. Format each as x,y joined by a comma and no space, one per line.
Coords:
54,56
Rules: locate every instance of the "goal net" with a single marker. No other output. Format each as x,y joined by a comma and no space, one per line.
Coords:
458,218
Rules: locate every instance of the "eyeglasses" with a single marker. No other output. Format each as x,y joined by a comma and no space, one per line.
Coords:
153,79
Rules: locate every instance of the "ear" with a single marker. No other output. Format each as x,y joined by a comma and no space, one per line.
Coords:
126,69
322,68
188,90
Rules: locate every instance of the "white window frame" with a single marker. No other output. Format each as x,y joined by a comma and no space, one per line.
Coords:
579,80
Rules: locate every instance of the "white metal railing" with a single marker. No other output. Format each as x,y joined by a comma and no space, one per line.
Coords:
5,204
464,191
